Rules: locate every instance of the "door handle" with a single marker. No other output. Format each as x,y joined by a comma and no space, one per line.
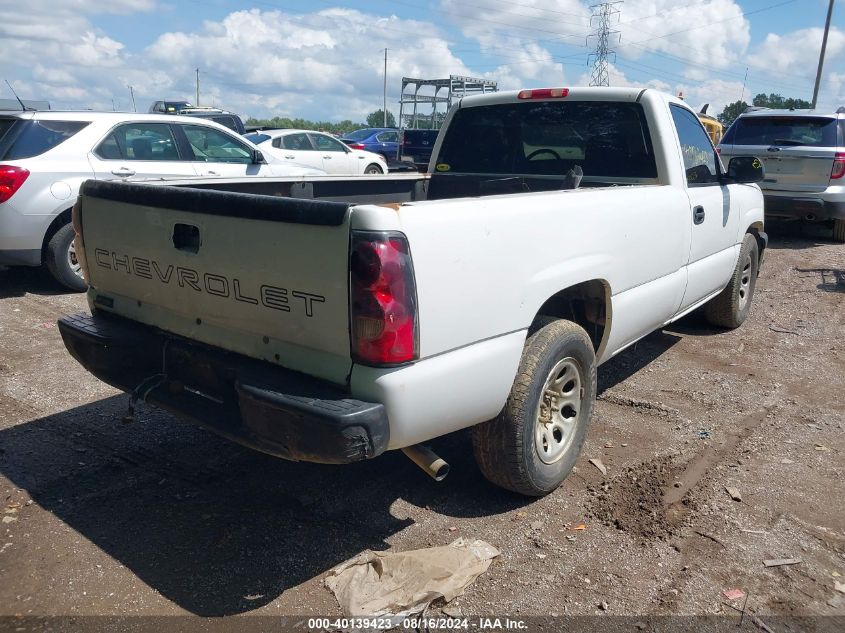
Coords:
698,214
211,173
327,157
289,156
123,171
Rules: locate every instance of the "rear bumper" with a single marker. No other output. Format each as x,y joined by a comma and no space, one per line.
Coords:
809,207
254,403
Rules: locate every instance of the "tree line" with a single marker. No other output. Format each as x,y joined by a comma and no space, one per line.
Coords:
733,110
374,119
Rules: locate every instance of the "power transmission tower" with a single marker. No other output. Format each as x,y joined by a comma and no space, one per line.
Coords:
603,15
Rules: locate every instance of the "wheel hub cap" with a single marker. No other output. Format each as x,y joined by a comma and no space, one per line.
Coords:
73,260
745,282
558,411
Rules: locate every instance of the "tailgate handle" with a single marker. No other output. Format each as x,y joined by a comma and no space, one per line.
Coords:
186,237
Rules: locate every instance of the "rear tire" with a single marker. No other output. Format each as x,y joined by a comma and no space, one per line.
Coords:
730,308
61,260
839,230
532,445
373,170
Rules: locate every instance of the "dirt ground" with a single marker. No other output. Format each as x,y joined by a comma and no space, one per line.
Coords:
160,518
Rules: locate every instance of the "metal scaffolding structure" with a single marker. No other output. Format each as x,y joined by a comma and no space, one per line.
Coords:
603,14
455,87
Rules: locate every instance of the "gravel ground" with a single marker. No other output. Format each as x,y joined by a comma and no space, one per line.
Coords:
160,518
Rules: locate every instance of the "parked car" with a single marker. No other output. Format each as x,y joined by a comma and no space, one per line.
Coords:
381,313
415,146
803,153
319,150
381,140
169,107
223,117
45,157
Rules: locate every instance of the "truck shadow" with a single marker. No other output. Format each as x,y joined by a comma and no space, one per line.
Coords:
17,281
832,279
221,530
216,528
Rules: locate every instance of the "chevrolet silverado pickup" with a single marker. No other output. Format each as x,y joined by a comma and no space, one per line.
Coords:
330,320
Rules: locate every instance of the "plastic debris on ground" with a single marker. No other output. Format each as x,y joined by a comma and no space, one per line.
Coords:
778,562
598,464
733,594
398,584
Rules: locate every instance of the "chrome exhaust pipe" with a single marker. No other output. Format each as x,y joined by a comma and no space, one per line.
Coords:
434,466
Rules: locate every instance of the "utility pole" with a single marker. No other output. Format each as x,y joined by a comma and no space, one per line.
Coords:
821,54
602,13
384,99
132,94
198,87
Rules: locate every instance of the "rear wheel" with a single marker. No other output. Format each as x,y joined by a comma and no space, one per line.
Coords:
839,230
532,445
372,170
62,261
730,308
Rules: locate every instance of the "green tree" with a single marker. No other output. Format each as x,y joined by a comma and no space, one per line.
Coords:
777,101
772,100
376,119
731,112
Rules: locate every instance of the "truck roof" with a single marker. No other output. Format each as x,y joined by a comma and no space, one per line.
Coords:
577,93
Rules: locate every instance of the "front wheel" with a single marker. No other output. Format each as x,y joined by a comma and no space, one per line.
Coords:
730,308
532,445
62,261
372,170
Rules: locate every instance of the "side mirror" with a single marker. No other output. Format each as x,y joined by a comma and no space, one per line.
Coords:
258,157
746,169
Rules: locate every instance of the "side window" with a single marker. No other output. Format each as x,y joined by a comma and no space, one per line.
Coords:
388,137
696,148
210,145
276,142
326,143
139,141
297,142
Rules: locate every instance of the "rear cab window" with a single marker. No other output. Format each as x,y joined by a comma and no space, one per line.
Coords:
606,139
784,130
21,138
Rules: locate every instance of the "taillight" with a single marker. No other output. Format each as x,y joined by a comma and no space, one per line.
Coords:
543,93
11,179
356,145
838,169
383,302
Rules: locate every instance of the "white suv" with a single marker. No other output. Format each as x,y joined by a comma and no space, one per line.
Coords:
46,155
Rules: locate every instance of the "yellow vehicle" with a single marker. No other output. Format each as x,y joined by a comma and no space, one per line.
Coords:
714,128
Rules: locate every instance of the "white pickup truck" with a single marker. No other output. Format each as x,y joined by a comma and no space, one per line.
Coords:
330,320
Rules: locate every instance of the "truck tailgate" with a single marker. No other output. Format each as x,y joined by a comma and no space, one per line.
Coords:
262,276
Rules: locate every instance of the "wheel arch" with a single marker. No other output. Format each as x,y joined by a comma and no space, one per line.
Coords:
756,229
588,304
58,222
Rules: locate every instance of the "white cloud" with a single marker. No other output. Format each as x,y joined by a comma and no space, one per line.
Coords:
709,33
328,64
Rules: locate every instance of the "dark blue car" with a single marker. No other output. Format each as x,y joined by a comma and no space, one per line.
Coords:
381,140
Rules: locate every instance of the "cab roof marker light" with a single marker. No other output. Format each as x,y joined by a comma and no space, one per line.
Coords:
543,93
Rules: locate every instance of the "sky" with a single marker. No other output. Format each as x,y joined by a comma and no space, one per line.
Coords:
323,60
